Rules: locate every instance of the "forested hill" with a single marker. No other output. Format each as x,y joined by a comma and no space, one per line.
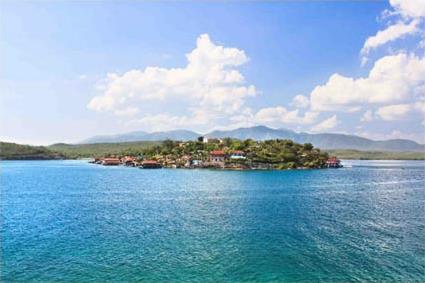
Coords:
26,152
260,133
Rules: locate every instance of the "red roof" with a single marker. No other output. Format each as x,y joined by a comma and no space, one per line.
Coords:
111,159
217,152
333,159
149,162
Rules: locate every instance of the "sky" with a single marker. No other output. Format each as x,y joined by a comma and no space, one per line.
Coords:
72,70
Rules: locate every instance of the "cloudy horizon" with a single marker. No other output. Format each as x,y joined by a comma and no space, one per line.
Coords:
341,67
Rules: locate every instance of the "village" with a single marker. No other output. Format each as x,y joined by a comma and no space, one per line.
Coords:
225,153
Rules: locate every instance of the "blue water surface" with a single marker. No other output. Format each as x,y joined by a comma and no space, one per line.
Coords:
71,221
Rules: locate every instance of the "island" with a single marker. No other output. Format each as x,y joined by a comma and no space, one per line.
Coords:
224,153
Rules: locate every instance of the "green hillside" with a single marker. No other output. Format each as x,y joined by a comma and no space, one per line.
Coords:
101,149
26,152
376,155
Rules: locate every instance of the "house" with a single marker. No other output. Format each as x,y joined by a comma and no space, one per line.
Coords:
238,154
333,162
217,158
203,139
150,164
129,161
111,161
197,163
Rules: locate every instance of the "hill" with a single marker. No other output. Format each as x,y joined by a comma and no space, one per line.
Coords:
13,151
181,135
376,155
323,140
101,149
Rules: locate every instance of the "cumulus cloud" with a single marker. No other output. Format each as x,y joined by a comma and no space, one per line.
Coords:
209,89
410,16
210,80
393,78
326,124
409,8
391,33
393,112
281,115
300,101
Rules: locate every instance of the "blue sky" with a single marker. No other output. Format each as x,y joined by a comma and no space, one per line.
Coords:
248,63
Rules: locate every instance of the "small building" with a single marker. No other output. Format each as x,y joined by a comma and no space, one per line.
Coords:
217,158
203,139
150,164
111,161
333,162
197,163
129,161
238,154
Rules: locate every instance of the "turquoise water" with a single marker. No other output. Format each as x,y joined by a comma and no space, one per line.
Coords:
70,221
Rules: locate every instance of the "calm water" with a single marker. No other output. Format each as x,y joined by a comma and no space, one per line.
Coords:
69,221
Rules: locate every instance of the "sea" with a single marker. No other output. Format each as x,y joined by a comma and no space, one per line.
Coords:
71,221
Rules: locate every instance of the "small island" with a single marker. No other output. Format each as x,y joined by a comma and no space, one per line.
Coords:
224,153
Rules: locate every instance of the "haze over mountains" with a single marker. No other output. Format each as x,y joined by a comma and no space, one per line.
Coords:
322,140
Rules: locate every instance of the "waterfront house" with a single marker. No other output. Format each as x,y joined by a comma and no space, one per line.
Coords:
196,163
333,162
129,161
150,164
217,158
111,161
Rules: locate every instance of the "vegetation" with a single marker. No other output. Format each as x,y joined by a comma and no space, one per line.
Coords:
73,151
17,151
277,154
377,155
273,151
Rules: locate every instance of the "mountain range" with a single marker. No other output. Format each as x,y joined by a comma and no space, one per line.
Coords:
321,140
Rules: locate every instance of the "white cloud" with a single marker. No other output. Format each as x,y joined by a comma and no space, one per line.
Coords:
129,111
393,112
281,115
394,78
409,8
209,81
300,101
410,16
391,33
325,125
367,116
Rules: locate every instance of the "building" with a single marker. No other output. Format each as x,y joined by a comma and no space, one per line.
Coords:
238,154
111,161
217,158
333,162
129,161
197,163
203,139
150,164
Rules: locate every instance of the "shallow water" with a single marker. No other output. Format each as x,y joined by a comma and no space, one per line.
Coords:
70,221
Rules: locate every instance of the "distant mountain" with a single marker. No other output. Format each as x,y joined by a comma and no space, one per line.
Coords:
183,135
324,140
255,133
